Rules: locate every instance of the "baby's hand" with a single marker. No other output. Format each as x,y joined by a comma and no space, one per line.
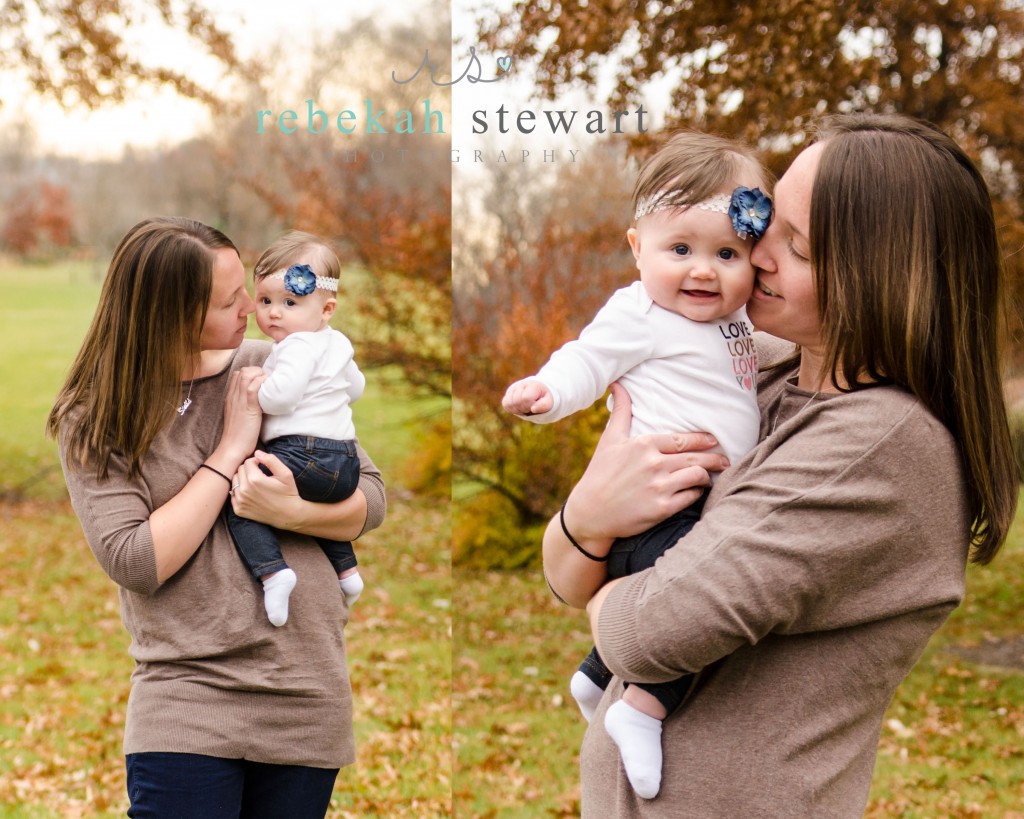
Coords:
528,397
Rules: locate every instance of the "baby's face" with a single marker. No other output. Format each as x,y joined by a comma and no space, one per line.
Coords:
692,262
280,313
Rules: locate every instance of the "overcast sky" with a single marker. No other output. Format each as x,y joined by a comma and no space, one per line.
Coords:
155,117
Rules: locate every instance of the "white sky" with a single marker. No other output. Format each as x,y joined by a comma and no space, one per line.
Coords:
160,117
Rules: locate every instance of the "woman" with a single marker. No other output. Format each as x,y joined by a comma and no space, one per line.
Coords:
829,555
227,716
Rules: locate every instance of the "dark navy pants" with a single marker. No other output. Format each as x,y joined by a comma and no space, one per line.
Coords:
193,786
630,555
326,471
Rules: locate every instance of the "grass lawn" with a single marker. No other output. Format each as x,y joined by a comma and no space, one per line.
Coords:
64,665
45,313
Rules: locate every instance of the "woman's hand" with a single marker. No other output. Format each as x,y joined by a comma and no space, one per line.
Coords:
274,499
242,418
633,483
629,485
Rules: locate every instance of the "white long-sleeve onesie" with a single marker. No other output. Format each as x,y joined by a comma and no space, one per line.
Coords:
681,375
312,381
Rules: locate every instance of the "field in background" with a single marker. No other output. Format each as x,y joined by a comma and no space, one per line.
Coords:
64,665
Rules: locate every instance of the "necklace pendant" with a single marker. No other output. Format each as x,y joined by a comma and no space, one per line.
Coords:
188,403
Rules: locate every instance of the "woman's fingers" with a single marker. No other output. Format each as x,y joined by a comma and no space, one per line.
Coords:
263,497
682,441
620,420
277,468
633,483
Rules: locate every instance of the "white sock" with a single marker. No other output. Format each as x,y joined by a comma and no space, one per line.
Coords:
639,739
276,591
351,587
587,694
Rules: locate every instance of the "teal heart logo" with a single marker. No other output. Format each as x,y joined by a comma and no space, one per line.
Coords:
504,63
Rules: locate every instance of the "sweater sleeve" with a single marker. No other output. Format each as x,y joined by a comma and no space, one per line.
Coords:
842,524
372,485
114,513
580,372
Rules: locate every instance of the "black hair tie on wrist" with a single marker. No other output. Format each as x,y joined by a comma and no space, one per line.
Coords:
216,472
572,540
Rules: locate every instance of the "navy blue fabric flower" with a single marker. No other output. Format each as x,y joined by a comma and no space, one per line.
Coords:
300,280
750,211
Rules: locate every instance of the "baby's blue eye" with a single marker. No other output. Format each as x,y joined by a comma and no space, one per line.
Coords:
290,302
682,250
727,253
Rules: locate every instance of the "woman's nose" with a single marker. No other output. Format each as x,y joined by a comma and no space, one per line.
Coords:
759,255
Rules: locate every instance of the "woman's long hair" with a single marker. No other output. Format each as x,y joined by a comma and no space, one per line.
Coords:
909,276
126,380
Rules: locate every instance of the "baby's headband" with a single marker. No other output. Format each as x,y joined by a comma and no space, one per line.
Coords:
749,209
301,280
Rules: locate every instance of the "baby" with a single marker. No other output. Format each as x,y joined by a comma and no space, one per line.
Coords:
311,381
680,343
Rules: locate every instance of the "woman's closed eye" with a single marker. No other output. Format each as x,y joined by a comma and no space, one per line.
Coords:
793,252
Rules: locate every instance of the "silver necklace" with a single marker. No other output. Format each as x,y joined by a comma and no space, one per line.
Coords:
188,398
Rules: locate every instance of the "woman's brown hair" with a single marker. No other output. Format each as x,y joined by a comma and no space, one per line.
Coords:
909,273
126,380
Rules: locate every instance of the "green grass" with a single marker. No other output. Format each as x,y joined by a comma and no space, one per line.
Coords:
64,665
44,315
952,745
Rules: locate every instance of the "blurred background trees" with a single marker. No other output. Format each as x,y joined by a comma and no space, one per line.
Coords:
762,72
759,72
528,276
83,53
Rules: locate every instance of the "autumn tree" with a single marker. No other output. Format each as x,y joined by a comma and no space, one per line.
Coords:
39,215
528,278
80,53
763,71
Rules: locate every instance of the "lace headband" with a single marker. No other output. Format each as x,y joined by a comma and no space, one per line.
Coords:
749,208
671,199
301,280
